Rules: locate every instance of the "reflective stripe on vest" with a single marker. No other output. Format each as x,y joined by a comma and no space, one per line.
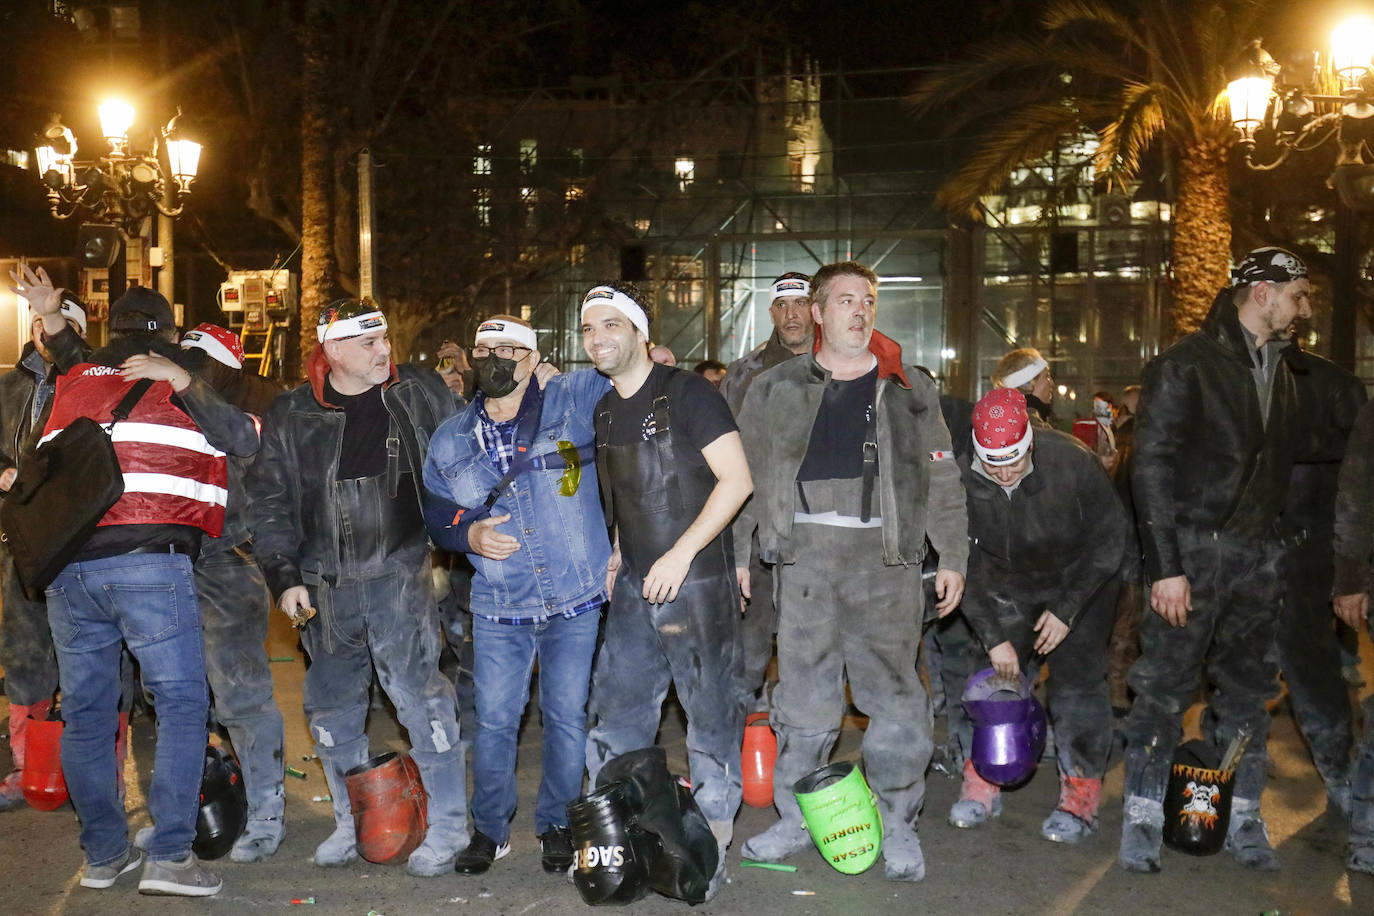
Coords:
172,474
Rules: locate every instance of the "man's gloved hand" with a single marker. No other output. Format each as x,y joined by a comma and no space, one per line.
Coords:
295,604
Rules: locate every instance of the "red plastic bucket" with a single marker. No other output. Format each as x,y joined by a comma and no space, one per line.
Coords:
389,807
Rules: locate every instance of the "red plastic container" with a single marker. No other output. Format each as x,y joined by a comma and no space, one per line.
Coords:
389,807
44,787
759,754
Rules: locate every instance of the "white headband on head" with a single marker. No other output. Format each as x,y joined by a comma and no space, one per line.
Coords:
351,327
75,313
1024,374
790,286
605,295
1008,454
500,329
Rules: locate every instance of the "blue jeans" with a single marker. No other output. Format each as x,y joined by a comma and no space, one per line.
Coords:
503,657
149,602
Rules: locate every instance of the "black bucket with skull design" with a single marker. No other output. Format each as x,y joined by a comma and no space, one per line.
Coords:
1197,803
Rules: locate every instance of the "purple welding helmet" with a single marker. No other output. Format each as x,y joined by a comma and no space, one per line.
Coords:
1008,727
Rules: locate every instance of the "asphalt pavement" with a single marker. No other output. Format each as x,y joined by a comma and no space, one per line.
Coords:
1001,868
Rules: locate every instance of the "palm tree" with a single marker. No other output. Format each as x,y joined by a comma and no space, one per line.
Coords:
318,264
1138,73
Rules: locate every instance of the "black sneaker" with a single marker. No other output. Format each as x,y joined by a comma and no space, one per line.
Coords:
555,850
479,854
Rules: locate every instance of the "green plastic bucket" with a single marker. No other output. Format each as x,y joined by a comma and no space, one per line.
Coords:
842,816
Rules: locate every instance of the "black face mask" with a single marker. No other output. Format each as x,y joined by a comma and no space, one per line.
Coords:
495,376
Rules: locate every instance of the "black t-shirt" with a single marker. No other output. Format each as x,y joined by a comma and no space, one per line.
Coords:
696,408
836,450
366,425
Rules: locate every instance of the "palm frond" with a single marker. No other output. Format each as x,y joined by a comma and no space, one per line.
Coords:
1124,141
1093,15
1006,79
991,64
1033,132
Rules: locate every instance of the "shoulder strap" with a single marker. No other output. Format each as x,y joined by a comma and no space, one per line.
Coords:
603,472
526,428
126,404
667,463
870,470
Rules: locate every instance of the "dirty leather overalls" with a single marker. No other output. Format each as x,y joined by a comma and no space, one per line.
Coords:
653,490
378,609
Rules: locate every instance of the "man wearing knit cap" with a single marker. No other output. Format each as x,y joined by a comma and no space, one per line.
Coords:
1027,371
855,471
793,334
1214,447
26,651
511,482
234,608
338,531
672,476
1047,531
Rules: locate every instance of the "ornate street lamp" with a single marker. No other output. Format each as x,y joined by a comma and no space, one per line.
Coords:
1297,117
1335,100
125,185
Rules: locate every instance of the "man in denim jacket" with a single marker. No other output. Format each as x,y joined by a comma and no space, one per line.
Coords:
511,481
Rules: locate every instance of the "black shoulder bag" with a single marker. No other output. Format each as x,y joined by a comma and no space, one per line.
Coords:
61,494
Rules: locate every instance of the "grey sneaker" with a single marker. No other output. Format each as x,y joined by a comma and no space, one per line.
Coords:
102,876
178,879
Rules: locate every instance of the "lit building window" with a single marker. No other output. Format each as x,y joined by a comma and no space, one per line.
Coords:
481,163
526,312
19,158
642,225
529,154
684,169
483,207
577,254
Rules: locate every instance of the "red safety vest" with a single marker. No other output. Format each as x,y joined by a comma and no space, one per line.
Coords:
172,475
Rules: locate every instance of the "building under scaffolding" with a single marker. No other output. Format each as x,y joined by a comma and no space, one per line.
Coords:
703,192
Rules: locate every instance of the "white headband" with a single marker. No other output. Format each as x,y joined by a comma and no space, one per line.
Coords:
75,313
790,286
1008,454
351,327
1024,374
499,329
605,295
212,347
